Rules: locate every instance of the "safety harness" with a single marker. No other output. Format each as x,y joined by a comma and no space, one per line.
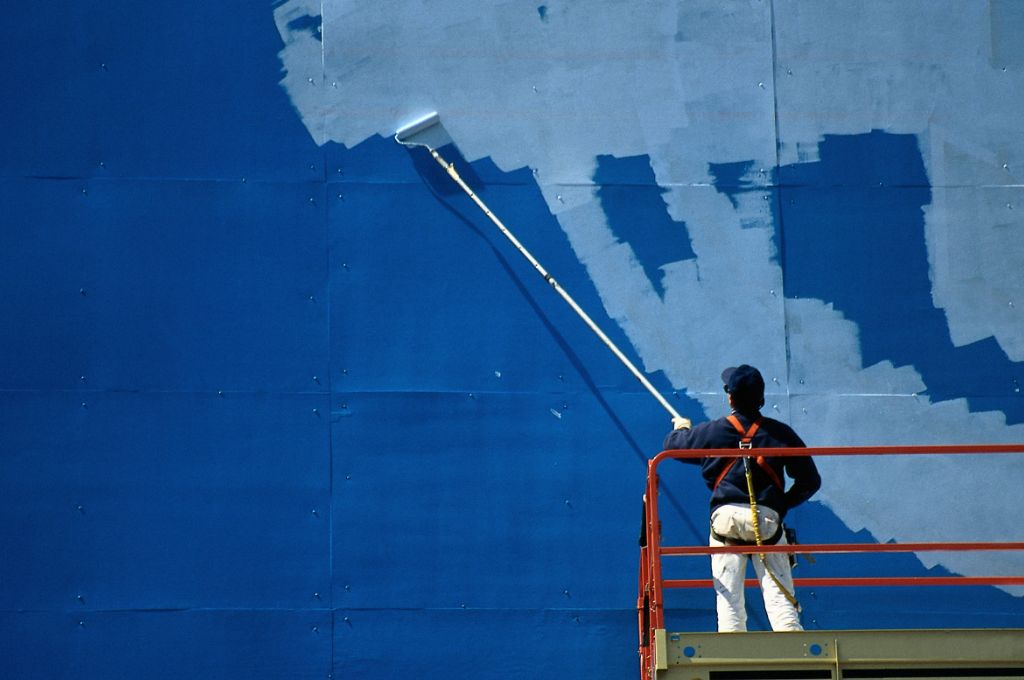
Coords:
747,442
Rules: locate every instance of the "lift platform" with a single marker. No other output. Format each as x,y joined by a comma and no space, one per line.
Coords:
866,654
874,654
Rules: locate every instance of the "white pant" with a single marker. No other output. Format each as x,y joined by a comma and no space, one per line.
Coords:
729,570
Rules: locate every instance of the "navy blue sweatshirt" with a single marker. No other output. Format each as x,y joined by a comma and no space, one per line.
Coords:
720,434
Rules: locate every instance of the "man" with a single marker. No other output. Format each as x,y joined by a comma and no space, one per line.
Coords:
731,512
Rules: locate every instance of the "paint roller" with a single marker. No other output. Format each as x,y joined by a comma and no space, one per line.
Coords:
428,133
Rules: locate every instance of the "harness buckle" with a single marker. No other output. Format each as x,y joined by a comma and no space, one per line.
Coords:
746,444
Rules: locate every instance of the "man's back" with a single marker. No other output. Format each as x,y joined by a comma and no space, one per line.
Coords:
726,479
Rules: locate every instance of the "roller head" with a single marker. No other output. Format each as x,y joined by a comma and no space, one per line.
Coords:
426,131
404,133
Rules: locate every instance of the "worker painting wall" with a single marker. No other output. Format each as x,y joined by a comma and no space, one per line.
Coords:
278,401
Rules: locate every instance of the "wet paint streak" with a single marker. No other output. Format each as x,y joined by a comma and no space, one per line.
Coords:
733,179
854,237
636,212
307,23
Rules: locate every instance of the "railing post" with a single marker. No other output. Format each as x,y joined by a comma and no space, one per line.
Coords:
655,595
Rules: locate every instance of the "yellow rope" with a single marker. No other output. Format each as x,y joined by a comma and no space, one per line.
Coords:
757,536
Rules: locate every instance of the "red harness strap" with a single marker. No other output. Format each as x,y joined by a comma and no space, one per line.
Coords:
724,472
746,436
746,442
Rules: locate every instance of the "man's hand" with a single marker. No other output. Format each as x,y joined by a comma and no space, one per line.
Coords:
680,423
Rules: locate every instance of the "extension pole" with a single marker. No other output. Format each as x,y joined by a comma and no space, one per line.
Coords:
450,169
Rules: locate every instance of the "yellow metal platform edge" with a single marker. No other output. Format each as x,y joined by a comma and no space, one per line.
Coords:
837,650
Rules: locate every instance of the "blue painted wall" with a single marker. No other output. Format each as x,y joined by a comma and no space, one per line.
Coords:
276,401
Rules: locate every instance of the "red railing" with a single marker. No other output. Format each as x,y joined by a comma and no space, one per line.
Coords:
650,601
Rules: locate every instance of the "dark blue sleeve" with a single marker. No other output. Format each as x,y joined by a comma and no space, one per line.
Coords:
802,470
806,480
681,439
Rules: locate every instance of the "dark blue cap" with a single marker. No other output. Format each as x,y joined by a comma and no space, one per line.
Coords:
743,381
